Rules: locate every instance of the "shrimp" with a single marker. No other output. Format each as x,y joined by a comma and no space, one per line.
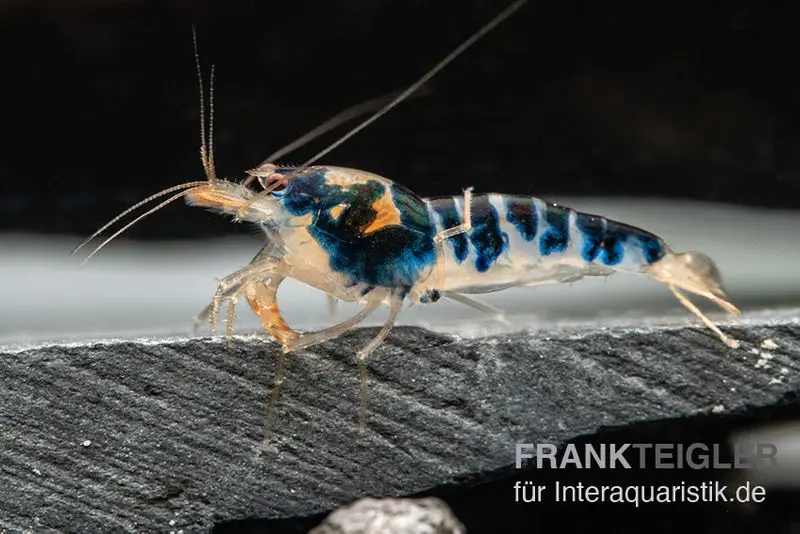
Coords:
360,237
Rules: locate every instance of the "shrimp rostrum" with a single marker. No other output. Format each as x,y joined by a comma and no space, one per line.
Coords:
360,237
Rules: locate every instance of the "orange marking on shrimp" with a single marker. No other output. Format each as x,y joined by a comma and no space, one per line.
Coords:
336,211
387,214
262,299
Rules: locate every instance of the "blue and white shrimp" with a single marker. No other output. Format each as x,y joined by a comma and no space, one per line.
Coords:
360,237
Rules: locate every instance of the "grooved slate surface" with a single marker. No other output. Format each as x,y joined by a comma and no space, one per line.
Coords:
164,434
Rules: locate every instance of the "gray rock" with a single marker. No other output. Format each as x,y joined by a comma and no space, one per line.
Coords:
166,434
392,516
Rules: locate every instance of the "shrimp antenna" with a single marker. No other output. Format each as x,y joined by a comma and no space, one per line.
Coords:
187,188
416,85
341,117
134,207
206,143
206,155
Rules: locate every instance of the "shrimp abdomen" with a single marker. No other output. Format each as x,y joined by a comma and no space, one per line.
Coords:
517,240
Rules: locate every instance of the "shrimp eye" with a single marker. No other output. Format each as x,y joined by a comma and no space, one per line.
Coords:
274,182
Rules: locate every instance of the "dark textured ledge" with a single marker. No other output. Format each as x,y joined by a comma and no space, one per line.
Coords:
165,434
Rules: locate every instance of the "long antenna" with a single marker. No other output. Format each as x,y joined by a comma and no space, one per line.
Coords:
344,116
206,143
428,75
348,114
206,156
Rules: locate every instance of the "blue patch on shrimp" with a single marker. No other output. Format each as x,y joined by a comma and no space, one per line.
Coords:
556,238
608,240
652,248
359,245
593,229
603,240
431,295
613,248
521,212
486,237
445,209
620,236
307,192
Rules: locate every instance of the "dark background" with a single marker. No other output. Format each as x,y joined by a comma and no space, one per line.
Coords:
696,100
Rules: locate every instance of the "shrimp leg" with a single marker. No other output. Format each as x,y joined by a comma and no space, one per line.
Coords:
332,306
210,311
261,295
304,341
261,298
309,339
497,313
686,303
259,282
395,306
